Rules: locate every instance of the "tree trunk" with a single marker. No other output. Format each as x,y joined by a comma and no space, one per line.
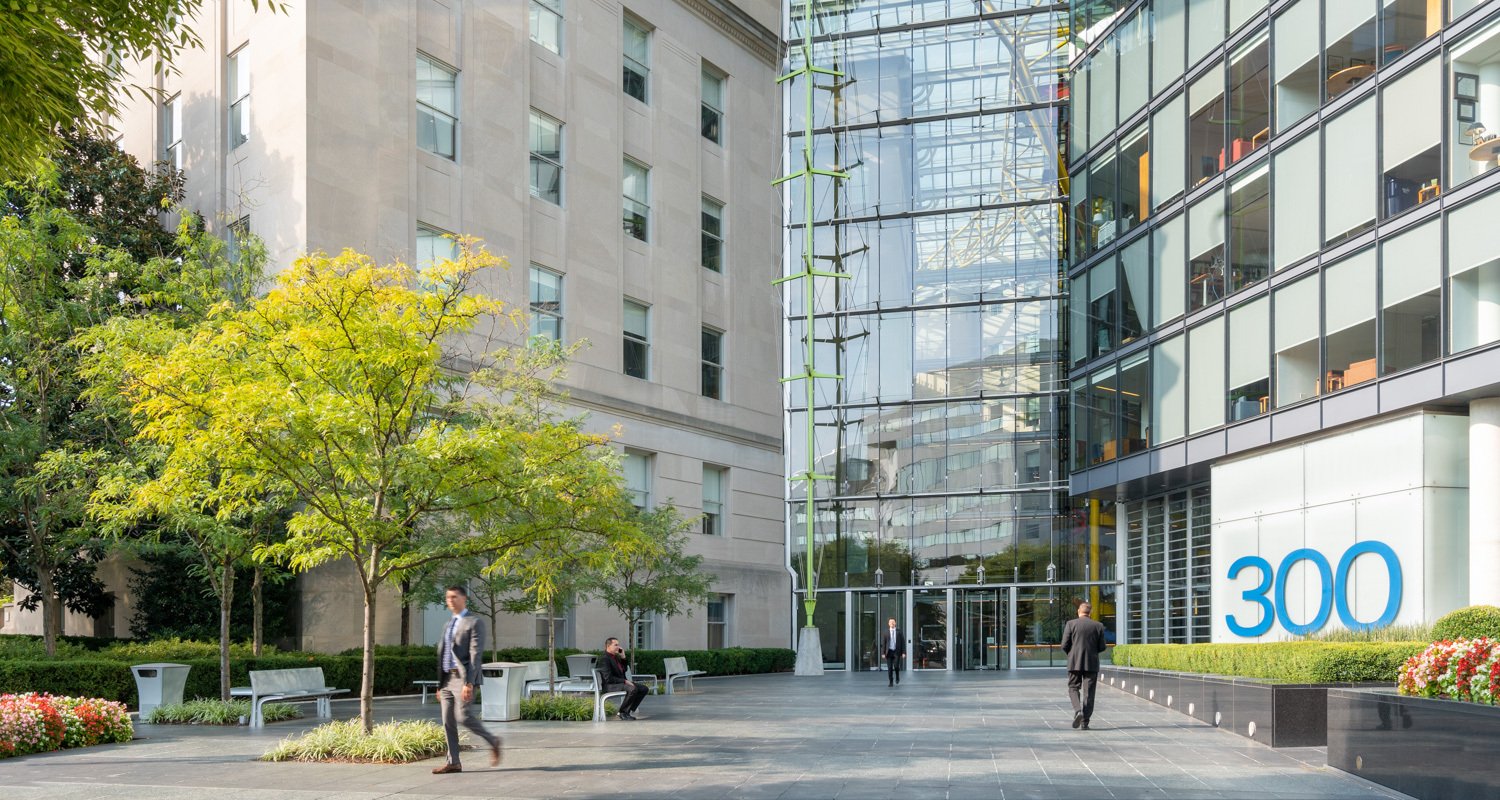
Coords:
494,630
551,650
51,609
630,623
257,625
226,598
405,612
367,676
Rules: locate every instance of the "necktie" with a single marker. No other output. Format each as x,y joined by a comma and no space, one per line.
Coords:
449,661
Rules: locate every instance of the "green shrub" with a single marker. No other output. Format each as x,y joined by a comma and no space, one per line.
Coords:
28,649
388,743
562,707
203,711
1291,662
1468,623
91,677
728,661
175,649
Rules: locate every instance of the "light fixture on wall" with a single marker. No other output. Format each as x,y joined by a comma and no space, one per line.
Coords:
1051,573
879,577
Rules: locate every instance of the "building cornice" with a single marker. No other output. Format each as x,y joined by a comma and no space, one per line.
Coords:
765,43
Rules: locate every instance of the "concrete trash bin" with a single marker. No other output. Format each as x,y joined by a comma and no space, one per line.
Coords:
500,698
159,685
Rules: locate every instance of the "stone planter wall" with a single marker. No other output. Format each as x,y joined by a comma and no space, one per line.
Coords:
1274,714
1430,749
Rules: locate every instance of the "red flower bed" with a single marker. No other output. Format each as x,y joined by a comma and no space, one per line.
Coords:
36,723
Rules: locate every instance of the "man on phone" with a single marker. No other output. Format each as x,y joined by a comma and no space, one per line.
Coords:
616,678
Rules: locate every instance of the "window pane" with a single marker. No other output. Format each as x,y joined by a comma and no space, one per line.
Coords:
712,356
1250,228
1078,111
1404,23
1250,359
1411,150
1135,404
1410,279
1169,139
1206,125
1135,300
1102,307
1242,10
1349,321
637,60
546,303
1135,60
713,105
713,242
1351,172
1249,98
637,340
1349,39
1169,384
637,469
1206,365
1205,27
239,93
1102,223
1168,42
1476,122
1297,201
1101,397
637,209
1474,273
1207,281
1134,178
437,87
1102,93
1296,310
546,158
546,24
1168,260
1298,81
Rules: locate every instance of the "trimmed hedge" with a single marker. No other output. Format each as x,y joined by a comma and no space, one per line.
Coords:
729,661
1290,662
1474,622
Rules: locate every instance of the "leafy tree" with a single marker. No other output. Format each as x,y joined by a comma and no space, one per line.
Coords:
173,598
62,65
58,278
661,580
370,392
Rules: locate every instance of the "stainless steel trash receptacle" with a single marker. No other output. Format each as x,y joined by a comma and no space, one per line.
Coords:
159,685
500,699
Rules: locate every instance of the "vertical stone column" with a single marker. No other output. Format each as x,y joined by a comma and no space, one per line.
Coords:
1484,501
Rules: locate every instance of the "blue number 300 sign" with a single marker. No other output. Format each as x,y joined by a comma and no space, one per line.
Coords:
1335,594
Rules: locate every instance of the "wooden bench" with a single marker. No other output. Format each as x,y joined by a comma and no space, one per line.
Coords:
269,685
676,667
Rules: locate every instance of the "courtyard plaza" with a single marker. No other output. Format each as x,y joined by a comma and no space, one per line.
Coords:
1004,736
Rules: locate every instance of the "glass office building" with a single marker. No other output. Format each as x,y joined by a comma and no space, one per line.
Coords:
1285,308
945,498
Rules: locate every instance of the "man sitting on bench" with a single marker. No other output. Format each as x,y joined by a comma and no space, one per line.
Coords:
615,667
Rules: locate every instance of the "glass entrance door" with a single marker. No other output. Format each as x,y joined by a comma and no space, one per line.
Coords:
929,611
871,610
980,639
1040,614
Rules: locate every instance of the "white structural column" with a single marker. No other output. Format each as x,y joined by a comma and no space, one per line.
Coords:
1484,501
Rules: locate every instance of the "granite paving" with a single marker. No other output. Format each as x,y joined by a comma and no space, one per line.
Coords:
1006,736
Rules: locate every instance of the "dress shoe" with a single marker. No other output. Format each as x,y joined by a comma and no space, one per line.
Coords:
1077,719
495,754
630,715
447,769
623,717
1085,723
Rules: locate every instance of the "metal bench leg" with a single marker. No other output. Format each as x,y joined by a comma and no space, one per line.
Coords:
255,714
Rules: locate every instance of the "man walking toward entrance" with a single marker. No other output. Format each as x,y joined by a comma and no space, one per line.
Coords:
1083,641
895,652
460,653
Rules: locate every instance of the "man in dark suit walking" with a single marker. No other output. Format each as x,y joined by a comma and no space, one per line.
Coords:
460,654
1083,641
893,644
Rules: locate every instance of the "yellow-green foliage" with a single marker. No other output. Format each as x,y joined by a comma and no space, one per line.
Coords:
386,743
1468,623
203,711
1291,662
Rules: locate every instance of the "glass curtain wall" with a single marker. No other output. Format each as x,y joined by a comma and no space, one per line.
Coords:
942,438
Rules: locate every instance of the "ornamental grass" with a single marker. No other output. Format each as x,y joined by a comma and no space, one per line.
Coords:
388,743
37,723
1463,669
205,711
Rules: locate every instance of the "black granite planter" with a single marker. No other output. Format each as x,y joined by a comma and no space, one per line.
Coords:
1431,749
1274,714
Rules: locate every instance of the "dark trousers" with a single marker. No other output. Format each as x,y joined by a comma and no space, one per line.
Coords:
1087,681
892,667
455,712
634,694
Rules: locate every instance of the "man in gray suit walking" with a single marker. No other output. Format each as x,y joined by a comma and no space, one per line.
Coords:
460,653
1083,641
